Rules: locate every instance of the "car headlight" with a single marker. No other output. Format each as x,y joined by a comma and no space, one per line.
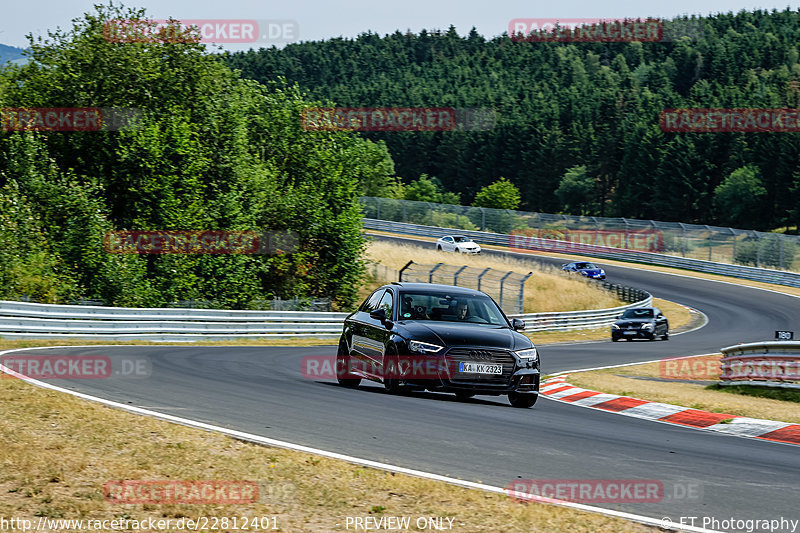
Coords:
614,326
528,354
603,272
423,347
647,326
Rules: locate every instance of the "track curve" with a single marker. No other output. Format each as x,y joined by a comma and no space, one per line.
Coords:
261,390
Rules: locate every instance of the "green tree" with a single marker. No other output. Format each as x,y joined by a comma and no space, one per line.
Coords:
502,194
738,198
577,191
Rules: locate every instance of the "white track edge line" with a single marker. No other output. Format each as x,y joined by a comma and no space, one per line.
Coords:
333,455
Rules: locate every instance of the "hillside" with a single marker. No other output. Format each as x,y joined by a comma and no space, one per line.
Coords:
563,105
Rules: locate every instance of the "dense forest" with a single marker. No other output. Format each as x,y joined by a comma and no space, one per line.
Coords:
209,151
578,123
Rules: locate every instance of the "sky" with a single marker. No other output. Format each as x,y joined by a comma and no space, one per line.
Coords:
311,20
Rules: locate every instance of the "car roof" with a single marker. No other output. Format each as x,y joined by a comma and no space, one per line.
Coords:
434,287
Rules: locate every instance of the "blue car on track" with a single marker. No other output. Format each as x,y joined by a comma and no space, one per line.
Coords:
590,270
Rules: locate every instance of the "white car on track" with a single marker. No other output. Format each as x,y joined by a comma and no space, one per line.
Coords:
457,243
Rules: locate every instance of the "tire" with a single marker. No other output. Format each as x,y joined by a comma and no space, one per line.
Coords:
522,400
665,336
342,364
464,396
393,385
614,339
438,248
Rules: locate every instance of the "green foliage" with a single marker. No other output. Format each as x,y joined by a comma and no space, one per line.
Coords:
739,197
771,250
427,189
502,194
577,191
210,151
563,105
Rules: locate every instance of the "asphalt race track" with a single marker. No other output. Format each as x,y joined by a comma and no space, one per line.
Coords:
261,390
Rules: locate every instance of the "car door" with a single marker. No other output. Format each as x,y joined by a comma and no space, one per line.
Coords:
448,245
377,331
360,345
661,322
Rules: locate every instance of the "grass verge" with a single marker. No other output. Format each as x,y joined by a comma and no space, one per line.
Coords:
57,452
643,382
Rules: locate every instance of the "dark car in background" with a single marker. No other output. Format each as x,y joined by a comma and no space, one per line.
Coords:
590,270
641,323
440,338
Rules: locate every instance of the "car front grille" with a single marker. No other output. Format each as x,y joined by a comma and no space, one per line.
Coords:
469,355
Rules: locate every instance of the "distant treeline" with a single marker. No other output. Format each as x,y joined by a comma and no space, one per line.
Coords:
579,118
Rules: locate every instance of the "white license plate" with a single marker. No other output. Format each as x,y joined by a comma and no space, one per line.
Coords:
480,368
629,332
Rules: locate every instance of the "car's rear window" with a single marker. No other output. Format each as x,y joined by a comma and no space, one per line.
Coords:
444,307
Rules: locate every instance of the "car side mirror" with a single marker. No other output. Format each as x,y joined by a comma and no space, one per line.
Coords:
378,314
517,324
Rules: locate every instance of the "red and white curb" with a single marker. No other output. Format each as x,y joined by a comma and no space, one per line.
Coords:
557,388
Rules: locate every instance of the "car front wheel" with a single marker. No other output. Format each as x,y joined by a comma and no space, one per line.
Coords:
391,366
344,378
522,400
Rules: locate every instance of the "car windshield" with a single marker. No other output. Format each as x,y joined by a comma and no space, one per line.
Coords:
584,265
638,313
459,238
445,307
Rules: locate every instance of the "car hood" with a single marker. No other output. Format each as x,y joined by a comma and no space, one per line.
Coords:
467,244
633,322
461,334
590,271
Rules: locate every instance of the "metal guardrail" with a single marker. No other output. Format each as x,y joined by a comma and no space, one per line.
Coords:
770,364
521,242
595,318
22,320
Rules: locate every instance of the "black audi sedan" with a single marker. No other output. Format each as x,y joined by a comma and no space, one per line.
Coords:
640,323
440,338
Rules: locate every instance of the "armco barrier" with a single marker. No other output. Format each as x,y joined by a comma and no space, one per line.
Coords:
771,364
521,242
22,320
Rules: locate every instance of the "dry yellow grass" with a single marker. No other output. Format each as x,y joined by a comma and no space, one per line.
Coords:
57,452
696,396
547,290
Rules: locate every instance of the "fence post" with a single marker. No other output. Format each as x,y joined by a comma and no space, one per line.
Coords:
481,276
431,271
733,259
710,241
455,276
521,304
400,277
758,253
502,281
